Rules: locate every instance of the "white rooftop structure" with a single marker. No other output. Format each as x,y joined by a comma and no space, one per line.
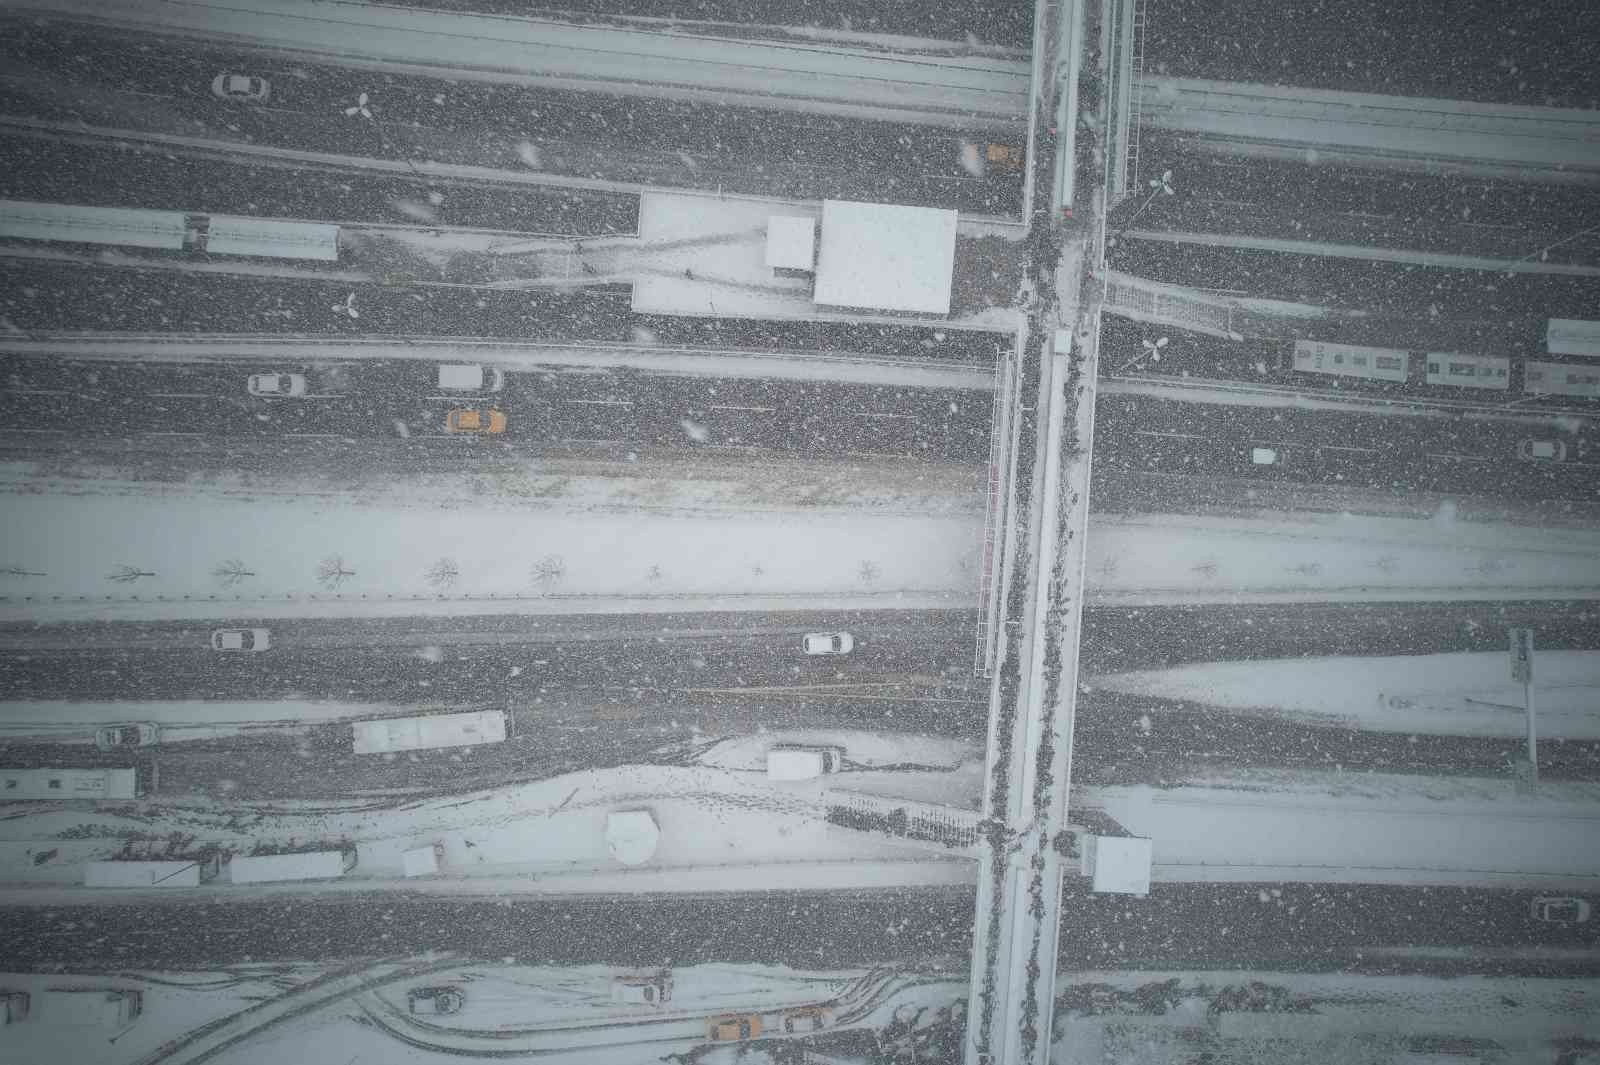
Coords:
884,257
1118,864
791,243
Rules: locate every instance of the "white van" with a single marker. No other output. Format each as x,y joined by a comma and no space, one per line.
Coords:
458,377
307,865
133,874
796,762
87,1007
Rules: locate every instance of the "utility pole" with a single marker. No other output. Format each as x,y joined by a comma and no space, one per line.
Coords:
1522,673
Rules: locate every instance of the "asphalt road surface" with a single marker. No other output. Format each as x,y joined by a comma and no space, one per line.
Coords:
127,80
1383,287
1398,455
481,658
1365,200
1305,927
51,404
36,295
1534,54
80,169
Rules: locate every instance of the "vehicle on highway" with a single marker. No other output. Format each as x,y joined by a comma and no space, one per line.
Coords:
1351,360
733,1027
807,1019
1560,910
1561,379
1266,456
241,639
435,999
1467,371
488,421
793,761
124,737
1542,451
241,87
276,384
829,643
1008,157
471,378
651,989
66,782
386,735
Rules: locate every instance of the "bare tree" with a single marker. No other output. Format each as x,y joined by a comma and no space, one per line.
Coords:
868,572
231,572
655,574
443,573
128,574
331,571
18,571
549,571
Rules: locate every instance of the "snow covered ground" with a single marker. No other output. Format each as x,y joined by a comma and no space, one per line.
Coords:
723,826
540,537
1442,695
1365,828
1156,1018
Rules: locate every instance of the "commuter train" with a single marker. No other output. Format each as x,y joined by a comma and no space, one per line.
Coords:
1489,372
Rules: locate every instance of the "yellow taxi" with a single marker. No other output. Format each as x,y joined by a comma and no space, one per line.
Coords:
492,420
733,1028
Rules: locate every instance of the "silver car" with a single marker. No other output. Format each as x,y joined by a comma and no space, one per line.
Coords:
241,640
126,737
276,384
829,643
1560,910
241,87
1542,451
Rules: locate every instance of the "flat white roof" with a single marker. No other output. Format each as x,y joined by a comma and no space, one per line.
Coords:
886,257
791,243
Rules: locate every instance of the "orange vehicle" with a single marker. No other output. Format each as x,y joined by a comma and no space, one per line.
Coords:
733,1028
492,420
1005,157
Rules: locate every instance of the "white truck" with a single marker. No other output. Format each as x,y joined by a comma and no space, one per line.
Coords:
135,874
386,734
457,377
307,865
797,762
86,1007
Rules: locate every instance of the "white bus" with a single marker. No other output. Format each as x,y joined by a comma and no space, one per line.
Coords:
1572,336
1468,371
22,784
433,730
1562,379
1350,360
118,874
308,865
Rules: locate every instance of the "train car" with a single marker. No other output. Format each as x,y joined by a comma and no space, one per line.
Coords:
1562,379
25,784
306,865
1572,336
1468,371
1350,360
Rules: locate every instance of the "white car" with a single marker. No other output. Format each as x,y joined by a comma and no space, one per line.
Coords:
1264,456
241,87
123,737
1542,451
829,643
276,384
241,640
652,990
1560,910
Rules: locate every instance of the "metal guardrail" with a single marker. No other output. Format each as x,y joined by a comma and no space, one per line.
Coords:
940,828
1001,423
1145,301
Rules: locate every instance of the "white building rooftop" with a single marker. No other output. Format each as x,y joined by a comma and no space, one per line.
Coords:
885,257
792,243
